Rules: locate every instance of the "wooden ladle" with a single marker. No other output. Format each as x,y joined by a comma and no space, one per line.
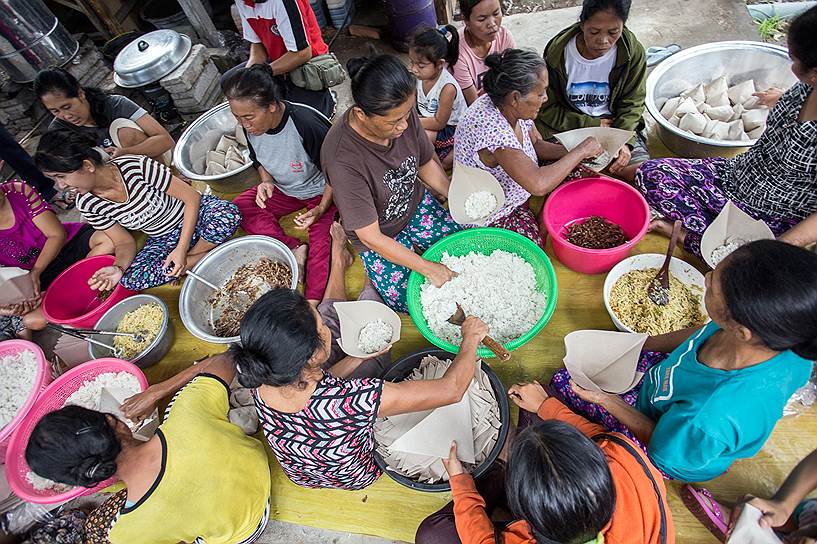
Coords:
498,349
658,289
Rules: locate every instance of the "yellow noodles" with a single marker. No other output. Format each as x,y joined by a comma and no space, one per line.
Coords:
145,320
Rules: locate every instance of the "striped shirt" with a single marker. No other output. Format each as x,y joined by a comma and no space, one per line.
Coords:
148,207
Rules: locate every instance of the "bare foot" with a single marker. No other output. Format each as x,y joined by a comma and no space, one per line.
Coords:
661,226
300,257
340,249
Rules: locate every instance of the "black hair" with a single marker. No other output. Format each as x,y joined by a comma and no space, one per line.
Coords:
434,44
512,70
380,83
256,83
61,81
559,482
620,7
279,335
770,287
63,150
803,38
467,6
74,446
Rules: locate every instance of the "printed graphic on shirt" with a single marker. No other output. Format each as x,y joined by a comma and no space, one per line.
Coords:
432,106
18,252
400,182
589,94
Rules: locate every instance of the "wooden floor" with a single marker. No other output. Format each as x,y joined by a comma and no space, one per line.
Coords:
391,511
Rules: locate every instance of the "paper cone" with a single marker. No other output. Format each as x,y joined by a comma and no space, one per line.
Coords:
354,316
72,351
433,435
15,285
604,360
732,224
611,139
748,531
465,181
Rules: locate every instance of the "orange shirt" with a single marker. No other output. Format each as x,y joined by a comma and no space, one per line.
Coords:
637,518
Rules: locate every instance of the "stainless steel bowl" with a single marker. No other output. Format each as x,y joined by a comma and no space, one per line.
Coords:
767,64
110,320
201,136
217,267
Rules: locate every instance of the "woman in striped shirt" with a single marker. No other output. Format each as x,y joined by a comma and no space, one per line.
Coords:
132,192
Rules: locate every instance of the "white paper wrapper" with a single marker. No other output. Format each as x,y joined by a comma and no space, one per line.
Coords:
604,360
15,285
732,224
611,139
353,316
465,181
434,433
748,530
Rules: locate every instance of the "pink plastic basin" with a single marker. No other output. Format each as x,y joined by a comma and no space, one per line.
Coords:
70,301
52,399
43,378
609,198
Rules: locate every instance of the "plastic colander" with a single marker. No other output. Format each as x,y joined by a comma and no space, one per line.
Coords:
43,378
52,399
485,241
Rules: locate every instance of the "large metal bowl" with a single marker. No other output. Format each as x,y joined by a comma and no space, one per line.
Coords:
767,64
110,320
202,136
217,267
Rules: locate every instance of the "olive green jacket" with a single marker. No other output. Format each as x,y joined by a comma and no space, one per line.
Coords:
627,87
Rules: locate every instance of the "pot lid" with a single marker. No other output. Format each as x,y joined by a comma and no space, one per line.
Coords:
150,57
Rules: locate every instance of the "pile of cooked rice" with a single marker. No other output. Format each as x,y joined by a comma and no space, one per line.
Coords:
146,321
632,306
18,373
375,336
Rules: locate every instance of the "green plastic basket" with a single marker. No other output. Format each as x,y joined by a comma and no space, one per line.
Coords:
486,241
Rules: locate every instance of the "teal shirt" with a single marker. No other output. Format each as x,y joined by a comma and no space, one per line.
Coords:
706,418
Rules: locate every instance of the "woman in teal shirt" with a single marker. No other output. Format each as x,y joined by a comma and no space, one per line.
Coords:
719,393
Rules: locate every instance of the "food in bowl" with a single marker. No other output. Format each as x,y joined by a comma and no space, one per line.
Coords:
146,321
18,374
596,232
725,249
228,155
480,205
631,305
242,289
375,336
499,288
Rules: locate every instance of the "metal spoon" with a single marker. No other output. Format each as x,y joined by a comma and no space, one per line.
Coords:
658,289
498,349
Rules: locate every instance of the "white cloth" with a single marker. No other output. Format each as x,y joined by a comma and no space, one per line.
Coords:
588,81
428,103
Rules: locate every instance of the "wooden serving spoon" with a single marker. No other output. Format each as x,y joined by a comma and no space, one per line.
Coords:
498,349
658,289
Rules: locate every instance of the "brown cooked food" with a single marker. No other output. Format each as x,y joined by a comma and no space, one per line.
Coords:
596,232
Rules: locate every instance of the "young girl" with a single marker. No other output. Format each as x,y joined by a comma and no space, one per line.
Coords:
439,97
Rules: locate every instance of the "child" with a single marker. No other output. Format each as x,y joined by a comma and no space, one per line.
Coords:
439,97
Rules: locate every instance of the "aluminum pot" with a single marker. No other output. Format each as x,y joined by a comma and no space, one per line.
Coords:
110,320
203,135
767,64
150,57
217,267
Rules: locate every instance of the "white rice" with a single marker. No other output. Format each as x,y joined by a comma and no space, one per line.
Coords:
499,288
18,373
41,484
374,336
724,250
480,205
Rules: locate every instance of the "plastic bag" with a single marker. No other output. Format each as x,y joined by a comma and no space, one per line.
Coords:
21,519
803,398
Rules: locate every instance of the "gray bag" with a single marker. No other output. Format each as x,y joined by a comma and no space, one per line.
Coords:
319,73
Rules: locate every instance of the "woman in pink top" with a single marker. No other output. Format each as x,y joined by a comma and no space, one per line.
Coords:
482,35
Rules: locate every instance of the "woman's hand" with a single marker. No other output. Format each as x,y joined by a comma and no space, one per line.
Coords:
141,405
34,276
263,193
769,97
452,465
473,328
596,397
114,151
606,123
304,220
590,148
528,396
439,274
106,278
623,159
176,263
21,308
774,513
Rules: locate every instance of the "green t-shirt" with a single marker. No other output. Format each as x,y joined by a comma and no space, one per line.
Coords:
706,418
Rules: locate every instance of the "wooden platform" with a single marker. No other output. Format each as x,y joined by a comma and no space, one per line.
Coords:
392,511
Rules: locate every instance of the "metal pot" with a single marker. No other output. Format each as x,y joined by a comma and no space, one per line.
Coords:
217,267
150,57
767,64
110,320
201,136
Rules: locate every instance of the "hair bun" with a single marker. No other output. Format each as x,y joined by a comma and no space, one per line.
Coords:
94,470
493,61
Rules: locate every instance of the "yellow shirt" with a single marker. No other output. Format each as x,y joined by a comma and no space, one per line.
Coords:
214,482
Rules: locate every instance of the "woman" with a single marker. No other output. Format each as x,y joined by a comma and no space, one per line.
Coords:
482,35
196,460
720,386
285,142
497,134
598,73
775,181
614,495
377,159
32,238
114,122
137,193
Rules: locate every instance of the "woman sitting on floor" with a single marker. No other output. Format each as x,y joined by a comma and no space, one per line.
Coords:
137,193
285,141
720,386
598,74
774,181
32,238
497,134
378,160
199,479
566,480
115,122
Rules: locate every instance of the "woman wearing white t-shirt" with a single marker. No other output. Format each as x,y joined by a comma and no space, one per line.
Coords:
598,73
